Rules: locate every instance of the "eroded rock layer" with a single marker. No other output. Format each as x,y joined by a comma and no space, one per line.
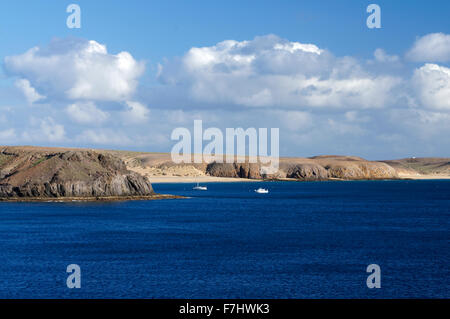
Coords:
35,172
316,168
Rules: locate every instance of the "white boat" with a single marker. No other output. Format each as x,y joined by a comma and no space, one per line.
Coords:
262,191
200,188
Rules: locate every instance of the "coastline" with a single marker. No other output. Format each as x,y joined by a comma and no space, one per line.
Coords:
211,179
422,177
89,199
198,179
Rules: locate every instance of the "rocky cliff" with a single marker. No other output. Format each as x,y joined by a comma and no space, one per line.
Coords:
355,168
38,172
30,172
316,168
306,171
241,170
309,169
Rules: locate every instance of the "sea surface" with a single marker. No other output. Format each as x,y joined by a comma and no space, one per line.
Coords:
302,240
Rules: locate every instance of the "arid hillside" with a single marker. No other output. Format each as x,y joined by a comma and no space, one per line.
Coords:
422,166
36,172
54,172
159,167
315,168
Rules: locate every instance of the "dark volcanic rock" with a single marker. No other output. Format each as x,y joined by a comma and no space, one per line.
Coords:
307,172
221,170
242,170
72,173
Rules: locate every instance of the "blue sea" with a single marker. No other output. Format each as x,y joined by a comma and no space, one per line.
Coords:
302,240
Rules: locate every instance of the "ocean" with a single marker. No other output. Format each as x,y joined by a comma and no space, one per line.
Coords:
302,240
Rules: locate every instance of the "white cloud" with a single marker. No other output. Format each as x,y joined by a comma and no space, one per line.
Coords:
433,47
321,103
269,71
52,131
434,117
136,112
77,69
338,127
423,129
295,120
293,47
104,137
185,117
86,113
432,83
28,91
381,56
44,130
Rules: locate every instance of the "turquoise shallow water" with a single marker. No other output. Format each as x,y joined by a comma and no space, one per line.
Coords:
302,240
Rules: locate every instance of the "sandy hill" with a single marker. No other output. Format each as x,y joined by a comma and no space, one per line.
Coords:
158,166
425,167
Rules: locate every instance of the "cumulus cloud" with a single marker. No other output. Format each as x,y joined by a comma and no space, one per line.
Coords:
429,117
270,71
136,112
432,83
381,56
52,131
321,103
295,120
433,47
77,69
44,130
28,91
103,137
86,113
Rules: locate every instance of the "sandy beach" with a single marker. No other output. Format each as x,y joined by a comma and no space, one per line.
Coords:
211,179
199,179
423,177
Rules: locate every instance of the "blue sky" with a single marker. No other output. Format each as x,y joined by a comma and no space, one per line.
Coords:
158,29
160,35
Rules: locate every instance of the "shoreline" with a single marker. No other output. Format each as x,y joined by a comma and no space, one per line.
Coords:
198,179
190,180
88,199
423,177
211,179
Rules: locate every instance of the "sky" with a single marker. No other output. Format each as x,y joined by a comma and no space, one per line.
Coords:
136,70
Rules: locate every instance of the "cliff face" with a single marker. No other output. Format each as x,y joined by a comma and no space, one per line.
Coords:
241,170
307,172
34,172
316,168
355,168
46,172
